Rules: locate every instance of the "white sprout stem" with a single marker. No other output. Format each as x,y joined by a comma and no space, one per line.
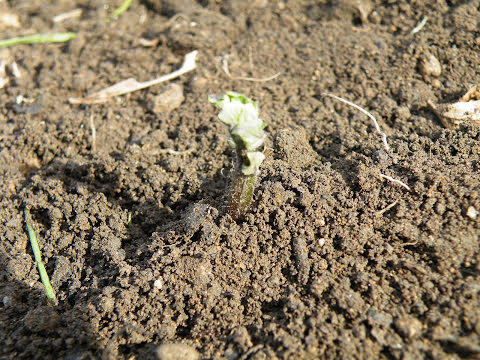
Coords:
375,122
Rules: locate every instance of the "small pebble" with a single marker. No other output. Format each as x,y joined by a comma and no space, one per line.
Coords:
408,326
428,65
7,301
436,83
169,99
158,284
472,213
177,352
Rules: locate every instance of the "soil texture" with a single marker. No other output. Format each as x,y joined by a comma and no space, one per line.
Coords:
352,249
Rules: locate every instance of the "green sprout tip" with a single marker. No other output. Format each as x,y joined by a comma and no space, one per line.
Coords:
121,9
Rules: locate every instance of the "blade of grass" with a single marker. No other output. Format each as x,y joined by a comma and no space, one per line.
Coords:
50,293
122,8
38,39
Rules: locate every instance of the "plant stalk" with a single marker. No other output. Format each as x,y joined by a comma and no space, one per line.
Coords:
241,194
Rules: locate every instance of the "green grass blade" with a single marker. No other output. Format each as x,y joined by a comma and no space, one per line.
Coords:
122,8
50,293
38,39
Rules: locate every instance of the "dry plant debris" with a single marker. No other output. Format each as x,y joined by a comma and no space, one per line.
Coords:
72,14
395,181
131,85
467,109
420,26
3,74
8,68
375,122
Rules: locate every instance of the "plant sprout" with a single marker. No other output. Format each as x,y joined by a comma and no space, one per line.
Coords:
240,114
49,292
121,9
38,39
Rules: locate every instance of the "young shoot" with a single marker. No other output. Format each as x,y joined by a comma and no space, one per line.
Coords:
240,114
49,292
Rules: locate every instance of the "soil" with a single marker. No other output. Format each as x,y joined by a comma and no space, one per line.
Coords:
333,261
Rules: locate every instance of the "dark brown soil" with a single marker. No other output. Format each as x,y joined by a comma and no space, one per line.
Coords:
332,262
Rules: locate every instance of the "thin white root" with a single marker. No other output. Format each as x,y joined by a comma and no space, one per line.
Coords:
389,178
419,27
384,210
245,78
375,122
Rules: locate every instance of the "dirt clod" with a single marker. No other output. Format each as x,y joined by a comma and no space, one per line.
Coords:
170,98
43,318
408,326
300,251
428,65
177,352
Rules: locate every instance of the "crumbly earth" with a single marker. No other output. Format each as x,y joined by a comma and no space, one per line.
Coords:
333,261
